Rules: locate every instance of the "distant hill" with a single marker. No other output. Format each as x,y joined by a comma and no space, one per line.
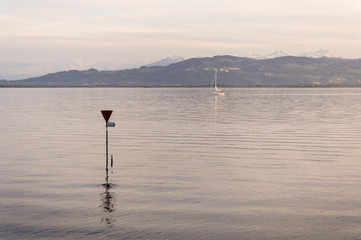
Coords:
233,71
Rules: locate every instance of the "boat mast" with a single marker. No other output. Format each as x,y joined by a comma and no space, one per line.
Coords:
215,78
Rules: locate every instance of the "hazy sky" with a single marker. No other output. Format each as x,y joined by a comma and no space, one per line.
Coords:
41,36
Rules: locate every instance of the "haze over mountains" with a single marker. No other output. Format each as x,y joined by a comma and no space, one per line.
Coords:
233,72
23,70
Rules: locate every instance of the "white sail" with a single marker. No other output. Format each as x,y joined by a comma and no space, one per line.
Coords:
216,90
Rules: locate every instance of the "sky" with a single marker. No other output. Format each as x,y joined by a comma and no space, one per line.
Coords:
43,36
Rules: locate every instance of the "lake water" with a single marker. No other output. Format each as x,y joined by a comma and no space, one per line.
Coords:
269,163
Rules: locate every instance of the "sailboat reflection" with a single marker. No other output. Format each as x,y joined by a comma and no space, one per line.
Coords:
215,108
108,201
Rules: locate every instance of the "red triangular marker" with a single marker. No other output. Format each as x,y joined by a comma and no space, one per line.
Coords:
106,114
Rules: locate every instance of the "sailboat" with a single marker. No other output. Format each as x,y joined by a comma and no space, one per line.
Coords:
216,91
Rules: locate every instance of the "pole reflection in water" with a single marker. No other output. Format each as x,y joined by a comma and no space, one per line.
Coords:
108,201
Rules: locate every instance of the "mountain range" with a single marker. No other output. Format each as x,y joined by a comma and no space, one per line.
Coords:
317,54
166,61
232,71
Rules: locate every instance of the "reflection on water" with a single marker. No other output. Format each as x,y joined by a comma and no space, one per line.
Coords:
215,108
108,201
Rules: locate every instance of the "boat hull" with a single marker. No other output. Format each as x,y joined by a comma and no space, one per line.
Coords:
218,93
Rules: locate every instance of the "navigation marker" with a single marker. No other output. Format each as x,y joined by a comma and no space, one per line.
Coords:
106,114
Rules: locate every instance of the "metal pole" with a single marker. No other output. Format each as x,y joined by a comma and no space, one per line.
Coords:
106,164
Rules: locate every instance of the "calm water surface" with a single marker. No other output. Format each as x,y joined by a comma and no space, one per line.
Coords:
255,164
